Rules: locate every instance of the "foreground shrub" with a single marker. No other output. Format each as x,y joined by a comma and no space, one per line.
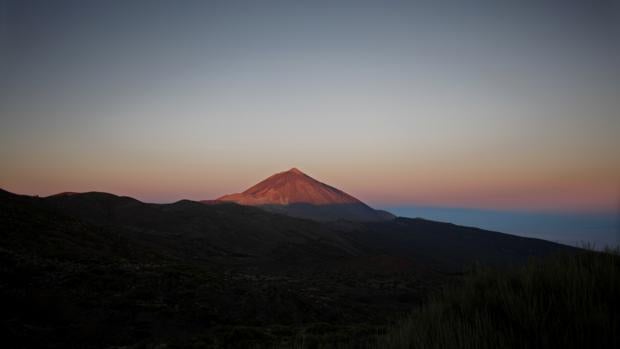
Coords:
562,301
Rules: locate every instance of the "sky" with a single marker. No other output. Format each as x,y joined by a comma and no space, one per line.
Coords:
475,104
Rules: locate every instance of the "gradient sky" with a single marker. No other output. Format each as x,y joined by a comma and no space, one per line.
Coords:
482,104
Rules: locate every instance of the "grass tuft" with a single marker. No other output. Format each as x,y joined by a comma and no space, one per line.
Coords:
561,301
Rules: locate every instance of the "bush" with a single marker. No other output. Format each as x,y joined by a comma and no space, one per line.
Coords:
562,301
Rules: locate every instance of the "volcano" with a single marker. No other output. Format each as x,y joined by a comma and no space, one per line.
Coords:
296,194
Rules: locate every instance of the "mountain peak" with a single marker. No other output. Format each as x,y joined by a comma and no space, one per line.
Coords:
291,189
295,170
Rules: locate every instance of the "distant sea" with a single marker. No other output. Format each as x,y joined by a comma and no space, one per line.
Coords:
596,230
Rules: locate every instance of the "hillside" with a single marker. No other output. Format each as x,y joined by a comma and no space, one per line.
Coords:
99,270
245,235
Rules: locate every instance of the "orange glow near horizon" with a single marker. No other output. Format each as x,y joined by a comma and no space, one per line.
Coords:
397,104
381,189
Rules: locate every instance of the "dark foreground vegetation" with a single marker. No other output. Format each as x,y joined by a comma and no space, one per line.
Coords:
566,301
108,272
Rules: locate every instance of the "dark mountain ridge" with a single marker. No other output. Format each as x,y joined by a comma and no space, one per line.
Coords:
98,270
239,234
206,232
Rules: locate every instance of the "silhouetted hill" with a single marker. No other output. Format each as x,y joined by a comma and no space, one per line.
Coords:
99,270
449,246
33,228
248,235
199,231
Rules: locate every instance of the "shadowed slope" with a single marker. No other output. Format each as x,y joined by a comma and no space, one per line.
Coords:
190,229
99,270
236,234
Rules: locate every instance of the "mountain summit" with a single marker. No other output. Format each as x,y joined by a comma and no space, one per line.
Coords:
290,187
296,194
